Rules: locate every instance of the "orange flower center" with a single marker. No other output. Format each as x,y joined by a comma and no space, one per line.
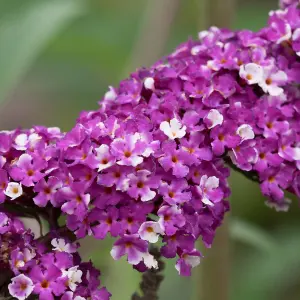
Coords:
30,172
174,159
127,154
44,284
104,161
140,184
171,194
150,229
268,81
23,286
249,77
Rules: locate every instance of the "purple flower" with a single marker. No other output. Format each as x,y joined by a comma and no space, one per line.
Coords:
76,200
180,240
170,219
108,222
45,281
271,123
83,154
80,224
20,287
223,136
273,181
131,246
244,156
4,223
21,258
128,151
99,294
287,150
115,175
141,185
176,192
279,30
133,216
5,142
173,159
266,157
3,184
187,261
46,191
194,150
223,56
28,169
197,89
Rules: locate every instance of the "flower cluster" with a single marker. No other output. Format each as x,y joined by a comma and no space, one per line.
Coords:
150,163
45,271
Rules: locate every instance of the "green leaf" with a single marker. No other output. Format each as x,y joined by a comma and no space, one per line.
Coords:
251,234
26,27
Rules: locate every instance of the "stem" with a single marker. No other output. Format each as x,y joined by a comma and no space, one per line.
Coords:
151,280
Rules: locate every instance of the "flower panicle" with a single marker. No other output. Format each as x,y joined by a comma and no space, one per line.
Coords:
152,162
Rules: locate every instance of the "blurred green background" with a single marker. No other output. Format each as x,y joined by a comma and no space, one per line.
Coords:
58,57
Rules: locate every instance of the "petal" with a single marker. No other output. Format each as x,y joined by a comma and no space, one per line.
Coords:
245,131
166,128
212,183
149,83
215,118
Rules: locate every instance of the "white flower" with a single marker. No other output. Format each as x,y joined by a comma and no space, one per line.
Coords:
149,83
271,80
252,73
74,277
245,131
150,261
215,117
150,231
173,130
13,190
61,246
111,95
